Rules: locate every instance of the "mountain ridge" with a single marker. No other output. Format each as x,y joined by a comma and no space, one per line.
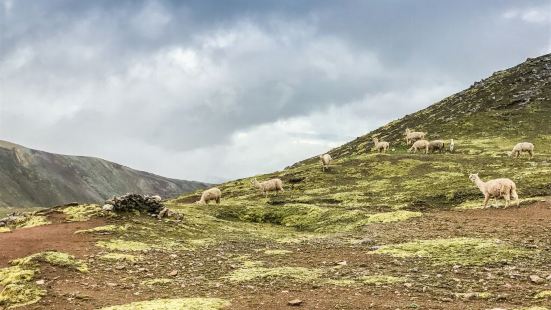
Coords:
34,178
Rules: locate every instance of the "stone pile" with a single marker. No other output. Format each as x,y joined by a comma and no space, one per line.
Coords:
135,202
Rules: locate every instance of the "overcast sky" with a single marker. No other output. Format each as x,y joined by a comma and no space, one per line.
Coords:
215,90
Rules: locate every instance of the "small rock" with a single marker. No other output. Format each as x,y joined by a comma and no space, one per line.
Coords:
111,284
40,282
536,279
374,248
548,277
342,263
295,302
107,207
173,273
173,255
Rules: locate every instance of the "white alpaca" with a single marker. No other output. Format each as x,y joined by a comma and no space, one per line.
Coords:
523,147
325,160
210,194
497,188
419,145
272,185
412,136
381,146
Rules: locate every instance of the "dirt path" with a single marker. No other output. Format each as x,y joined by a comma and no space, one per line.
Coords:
58,236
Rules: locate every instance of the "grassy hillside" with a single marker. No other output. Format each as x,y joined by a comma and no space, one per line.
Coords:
32,178
485,121
378,231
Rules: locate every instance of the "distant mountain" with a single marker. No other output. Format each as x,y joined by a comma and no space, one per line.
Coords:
31,178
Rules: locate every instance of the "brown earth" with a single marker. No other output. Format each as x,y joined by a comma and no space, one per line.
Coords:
58,236
201,272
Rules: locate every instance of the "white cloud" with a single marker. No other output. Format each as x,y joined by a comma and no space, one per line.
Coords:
536,15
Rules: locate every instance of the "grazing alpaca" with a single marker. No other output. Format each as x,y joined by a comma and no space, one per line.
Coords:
210,194
412,136
419,145
381,146
523,147
437,145
497,188
273,185
325,161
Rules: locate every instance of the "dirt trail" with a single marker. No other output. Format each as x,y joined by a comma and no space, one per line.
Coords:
57,236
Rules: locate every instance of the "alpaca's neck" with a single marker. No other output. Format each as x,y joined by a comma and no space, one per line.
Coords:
480,184
256,184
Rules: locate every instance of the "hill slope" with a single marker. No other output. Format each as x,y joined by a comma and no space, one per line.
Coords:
485,121
32,178
393,231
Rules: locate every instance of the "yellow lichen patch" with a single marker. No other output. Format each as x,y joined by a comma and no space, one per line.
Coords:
277,252
157,281
54,258
120,257
396,216
123,245
474,295
461,251
4,229
104,229
543,294
299,274
18,287
380,280
81,212
32,221
175,304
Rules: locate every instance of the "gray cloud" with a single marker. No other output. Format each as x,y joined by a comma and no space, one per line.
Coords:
211,90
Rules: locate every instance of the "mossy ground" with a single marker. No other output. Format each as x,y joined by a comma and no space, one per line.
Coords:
175,304
17,281
456,251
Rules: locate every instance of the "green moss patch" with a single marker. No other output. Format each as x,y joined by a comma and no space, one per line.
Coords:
123,245
119,257
54,258
543,294
461,251
380,280
474,295
104,229
157,281
299,274
33,221
18,288
314,218
81,212
175,304
277,252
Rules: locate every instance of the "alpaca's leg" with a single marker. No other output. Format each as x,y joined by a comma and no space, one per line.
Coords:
531,154
218,200
486,198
